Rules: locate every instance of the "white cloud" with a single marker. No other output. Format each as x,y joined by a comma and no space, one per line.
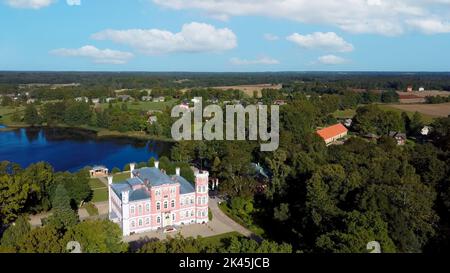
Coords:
328,41
430,26
271,37
105,56
331,60
193,37
261,61
29,4
386,17
73,2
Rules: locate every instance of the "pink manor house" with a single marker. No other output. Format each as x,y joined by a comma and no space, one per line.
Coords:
150,199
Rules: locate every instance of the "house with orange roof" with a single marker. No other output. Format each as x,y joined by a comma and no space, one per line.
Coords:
333,133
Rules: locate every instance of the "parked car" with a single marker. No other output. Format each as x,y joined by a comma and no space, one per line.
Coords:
170,230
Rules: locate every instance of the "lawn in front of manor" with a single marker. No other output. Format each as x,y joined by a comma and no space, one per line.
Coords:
99,190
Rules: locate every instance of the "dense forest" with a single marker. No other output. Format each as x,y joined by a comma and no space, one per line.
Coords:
123,80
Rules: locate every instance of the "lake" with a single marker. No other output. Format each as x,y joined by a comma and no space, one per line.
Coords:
73,149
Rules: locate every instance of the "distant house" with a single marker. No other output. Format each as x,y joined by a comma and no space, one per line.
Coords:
425,131
82,99
280,102
409,89
421,89
108,100
399,137
333,133
31,101
159,99
152,120
124,97
348,122
95,101
98,171
146,98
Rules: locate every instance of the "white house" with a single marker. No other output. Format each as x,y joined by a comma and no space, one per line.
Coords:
426,131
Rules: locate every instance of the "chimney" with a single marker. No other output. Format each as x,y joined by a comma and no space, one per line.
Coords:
178,171
110,179
132,166
157,164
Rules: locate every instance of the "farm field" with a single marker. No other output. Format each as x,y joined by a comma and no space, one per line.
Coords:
432,110
146,105
6,113
429,111
430,93
249,89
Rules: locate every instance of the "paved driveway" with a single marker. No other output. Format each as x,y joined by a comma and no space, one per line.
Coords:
219,225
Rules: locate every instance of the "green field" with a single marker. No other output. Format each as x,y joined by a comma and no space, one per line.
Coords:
217,241
146,105
95,183
350,113
99,190
344,114
425,118
100,195
7,111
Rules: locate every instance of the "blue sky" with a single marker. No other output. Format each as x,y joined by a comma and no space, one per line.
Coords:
225,35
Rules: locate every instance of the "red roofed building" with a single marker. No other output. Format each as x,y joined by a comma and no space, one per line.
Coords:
333,133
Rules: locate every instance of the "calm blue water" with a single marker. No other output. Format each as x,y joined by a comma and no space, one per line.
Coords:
71,150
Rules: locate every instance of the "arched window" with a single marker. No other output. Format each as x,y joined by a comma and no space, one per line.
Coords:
172,203
147,207
158,220
132,209
173,217
140,222
140,209
204,200
199,200
133,224
166,204
158,205
147,221
187,214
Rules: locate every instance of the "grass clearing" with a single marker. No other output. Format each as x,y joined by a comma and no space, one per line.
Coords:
95,183
344,114
217,241
91,209
425,118
145,105
100,195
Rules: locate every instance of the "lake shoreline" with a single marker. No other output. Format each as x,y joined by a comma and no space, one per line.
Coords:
71,149
96,133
